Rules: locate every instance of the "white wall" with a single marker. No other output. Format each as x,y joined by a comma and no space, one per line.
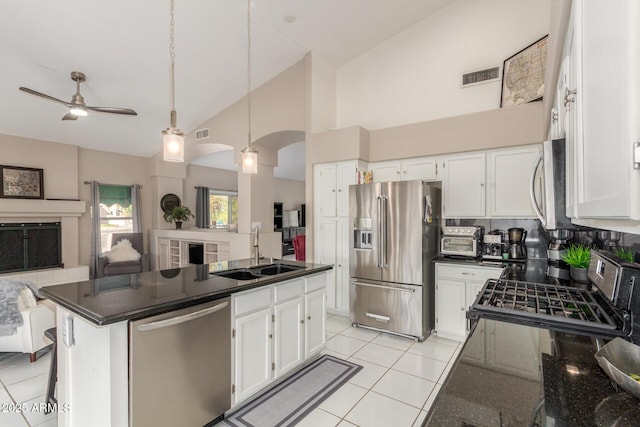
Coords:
201,176
291,193
415,76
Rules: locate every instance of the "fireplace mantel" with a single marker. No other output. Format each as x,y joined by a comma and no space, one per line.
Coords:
20,208
68,212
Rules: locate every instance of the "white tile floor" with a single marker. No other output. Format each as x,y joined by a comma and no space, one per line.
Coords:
396,387
23,388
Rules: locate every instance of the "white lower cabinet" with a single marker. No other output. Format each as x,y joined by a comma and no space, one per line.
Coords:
275,329
252,347
457,287
315,304
288,335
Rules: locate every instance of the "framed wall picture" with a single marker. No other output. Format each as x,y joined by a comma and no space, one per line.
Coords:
21,183
523,75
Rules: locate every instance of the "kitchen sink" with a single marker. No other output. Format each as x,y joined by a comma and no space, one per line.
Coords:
270,270
257,272
242,274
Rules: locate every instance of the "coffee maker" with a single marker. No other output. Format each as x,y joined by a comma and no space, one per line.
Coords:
558,244
517,249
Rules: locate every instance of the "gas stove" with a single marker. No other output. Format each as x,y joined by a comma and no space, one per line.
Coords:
566,308
603,309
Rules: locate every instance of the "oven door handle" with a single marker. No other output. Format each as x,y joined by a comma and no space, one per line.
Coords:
390,288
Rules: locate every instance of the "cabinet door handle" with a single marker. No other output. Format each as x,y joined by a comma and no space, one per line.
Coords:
468,274
270,335
569,96
308,317
302,321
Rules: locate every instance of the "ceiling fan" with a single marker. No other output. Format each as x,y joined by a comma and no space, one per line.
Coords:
77,107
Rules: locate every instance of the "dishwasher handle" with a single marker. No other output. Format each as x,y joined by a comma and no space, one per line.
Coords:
182,319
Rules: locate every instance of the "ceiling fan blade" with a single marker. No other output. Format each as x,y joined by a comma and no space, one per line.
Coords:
33,92
70,116
114,110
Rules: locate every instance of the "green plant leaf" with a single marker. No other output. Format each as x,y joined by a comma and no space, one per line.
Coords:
578,256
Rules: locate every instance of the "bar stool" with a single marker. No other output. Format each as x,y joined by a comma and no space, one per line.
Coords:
53,370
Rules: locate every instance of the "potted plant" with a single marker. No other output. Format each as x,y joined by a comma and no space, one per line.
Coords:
578,257
627,255
177,215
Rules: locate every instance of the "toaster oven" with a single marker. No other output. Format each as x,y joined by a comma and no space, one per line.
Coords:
462,241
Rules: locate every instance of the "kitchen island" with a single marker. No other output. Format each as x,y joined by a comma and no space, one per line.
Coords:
94,318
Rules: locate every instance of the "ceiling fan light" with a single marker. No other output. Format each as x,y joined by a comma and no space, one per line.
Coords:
172,145
78,110
249,161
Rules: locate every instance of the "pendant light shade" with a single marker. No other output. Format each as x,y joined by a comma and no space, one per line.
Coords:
249,154
172,145
172,137
249,161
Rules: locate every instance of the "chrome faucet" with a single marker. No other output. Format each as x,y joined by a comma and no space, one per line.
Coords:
256,246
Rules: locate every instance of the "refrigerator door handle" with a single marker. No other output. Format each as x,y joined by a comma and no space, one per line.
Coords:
380,232
378,317
385,225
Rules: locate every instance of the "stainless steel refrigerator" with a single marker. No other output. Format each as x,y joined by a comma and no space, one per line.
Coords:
395,237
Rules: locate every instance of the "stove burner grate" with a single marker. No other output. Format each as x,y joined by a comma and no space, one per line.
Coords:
555,303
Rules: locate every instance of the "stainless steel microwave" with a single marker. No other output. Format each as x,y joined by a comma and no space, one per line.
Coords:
462,241
549,176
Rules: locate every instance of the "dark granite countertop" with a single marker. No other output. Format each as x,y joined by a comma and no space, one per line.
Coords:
510,375
135,296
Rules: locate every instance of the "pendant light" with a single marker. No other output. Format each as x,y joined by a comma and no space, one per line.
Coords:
249,154
172,137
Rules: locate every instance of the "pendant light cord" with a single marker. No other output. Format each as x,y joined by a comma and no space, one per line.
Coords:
248,71
172,60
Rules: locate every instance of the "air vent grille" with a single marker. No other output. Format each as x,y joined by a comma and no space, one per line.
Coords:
202,134
481,76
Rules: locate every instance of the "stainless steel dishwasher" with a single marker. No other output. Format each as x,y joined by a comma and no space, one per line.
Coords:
180,366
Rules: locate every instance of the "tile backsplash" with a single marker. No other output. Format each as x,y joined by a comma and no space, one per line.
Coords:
538,239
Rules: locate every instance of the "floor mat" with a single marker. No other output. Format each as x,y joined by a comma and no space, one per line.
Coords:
290,401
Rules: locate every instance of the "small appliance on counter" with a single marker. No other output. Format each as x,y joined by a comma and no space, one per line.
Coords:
517,248
557,249
494,247
608,240
461,241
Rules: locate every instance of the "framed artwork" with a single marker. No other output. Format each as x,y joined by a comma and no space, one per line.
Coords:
21,183
523,75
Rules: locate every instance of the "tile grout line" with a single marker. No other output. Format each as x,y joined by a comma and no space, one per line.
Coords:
403,352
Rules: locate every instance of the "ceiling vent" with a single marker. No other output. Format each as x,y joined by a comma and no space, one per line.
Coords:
202,134
480,76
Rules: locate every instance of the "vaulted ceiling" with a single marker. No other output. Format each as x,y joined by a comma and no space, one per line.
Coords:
123,48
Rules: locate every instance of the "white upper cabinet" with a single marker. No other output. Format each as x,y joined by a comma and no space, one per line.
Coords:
331,187
464,191
386,171
603,51
509,172
424,168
